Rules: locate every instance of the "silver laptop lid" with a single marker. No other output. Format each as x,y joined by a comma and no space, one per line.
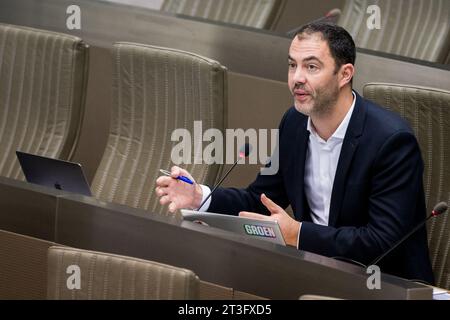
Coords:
259,229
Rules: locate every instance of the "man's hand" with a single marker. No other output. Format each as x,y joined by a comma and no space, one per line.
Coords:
290,228
176,193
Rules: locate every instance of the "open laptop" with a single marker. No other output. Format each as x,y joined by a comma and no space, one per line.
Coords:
54,173
259,229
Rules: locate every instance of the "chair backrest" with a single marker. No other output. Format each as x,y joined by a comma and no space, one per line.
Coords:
23,266
43,77
428,112
91,275
259,14
155,92
417,29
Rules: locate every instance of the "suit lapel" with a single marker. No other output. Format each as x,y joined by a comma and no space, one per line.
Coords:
349,146
300,158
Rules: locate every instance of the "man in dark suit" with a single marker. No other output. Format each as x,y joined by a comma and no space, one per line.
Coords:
351,170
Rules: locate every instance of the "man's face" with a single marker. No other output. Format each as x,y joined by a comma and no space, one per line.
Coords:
312,78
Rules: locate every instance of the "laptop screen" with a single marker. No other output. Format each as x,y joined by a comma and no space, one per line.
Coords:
259,229
54,173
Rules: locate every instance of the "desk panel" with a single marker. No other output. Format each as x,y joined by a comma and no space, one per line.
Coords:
28,209
239,262
217,256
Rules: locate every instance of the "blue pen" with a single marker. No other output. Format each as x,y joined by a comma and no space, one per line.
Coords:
182,178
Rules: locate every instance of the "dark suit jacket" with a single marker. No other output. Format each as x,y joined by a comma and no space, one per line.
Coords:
377,194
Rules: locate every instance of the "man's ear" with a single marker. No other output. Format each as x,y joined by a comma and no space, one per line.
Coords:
346,73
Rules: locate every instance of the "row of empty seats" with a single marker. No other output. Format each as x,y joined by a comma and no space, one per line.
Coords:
260,14
156,90
417,29
43,79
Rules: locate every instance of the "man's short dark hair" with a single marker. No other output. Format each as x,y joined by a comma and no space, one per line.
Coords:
340,42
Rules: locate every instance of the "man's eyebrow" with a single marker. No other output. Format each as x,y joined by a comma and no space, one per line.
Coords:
310,58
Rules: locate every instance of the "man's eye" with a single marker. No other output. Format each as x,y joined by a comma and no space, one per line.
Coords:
312,67
291,65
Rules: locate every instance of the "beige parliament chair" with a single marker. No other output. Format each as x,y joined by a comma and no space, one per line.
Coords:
43,77
155,92
428,112
261,14
91,275
23,266
417,29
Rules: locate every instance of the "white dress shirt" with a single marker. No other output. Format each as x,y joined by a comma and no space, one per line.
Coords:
320,167
206,191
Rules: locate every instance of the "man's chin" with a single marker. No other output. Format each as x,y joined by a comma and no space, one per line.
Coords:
303,108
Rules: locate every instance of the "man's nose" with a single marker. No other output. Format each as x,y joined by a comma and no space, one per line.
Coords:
299,76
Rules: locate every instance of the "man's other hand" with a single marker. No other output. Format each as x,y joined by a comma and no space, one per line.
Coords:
290,228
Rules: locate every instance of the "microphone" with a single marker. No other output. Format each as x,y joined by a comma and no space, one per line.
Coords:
244,152
440,208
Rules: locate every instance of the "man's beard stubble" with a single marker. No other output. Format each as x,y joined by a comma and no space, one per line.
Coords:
323,101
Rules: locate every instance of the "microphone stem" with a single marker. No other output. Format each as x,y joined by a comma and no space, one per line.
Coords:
401,240
218,184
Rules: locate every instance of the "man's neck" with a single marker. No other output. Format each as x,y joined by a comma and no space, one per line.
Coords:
326,125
